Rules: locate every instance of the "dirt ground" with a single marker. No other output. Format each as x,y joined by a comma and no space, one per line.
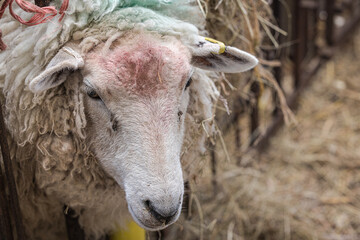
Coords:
307,184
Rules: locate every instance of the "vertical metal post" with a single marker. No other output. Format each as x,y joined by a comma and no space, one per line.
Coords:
278,53
254,117
299,48
330,10
10,180
213,168
237,138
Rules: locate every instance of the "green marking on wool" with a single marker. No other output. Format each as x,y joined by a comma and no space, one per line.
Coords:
173,17
175,8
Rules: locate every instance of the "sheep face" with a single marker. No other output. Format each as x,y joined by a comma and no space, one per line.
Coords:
136,90
137,95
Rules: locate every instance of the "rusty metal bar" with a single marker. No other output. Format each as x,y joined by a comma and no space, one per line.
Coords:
299,48
10,180
330,10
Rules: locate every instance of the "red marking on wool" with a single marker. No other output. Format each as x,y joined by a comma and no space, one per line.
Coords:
41,14
144,68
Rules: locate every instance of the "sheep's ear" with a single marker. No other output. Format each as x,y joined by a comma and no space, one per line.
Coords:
56,72
210,54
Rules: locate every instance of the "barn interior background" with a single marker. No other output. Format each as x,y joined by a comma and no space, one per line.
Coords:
303,183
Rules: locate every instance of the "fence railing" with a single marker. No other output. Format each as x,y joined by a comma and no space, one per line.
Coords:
318,27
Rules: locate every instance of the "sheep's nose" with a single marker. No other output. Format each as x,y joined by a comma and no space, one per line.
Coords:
162,215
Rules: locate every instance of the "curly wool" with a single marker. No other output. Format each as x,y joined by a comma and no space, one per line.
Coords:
54,166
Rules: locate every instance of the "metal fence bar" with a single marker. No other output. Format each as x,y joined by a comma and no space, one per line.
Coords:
254,115
305,20
5,220
299,28
292,102
213,168
10,181
330,10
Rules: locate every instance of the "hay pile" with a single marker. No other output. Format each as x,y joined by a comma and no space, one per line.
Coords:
307,185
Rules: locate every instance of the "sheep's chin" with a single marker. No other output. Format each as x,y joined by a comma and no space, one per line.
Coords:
144,226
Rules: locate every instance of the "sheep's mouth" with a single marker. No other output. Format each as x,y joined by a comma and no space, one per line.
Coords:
146,225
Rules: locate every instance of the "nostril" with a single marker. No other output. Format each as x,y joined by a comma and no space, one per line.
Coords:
147,204
164,217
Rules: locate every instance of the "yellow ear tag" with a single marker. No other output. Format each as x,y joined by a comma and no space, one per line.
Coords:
221,44
132,232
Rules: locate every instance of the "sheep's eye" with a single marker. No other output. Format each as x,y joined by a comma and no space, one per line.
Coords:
92,93
188,83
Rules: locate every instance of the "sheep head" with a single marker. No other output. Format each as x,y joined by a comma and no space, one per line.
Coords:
137,93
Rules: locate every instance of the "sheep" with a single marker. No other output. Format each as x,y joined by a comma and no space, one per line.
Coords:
96,108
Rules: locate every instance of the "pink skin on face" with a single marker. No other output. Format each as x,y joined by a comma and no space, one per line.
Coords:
151,69
143,66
